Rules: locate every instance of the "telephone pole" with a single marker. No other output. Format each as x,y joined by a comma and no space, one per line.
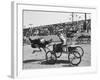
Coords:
85,21
72,16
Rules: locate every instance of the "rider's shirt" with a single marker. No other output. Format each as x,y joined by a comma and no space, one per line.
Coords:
63,38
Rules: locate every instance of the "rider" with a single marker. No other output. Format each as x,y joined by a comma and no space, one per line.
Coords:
62,39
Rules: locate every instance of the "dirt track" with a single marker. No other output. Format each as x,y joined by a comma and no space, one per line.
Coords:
37,60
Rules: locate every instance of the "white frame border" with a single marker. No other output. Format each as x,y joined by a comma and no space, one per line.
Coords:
16,70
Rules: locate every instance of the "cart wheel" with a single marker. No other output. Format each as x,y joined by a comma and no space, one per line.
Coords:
58,54
74,58
80,50
50,57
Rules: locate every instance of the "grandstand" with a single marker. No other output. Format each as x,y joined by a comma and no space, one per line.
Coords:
51,29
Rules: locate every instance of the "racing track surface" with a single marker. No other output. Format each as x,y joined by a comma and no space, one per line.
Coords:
37,60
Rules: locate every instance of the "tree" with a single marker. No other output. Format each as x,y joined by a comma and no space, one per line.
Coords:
50,29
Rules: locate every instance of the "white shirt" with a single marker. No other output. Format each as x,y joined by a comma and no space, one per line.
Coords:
63,38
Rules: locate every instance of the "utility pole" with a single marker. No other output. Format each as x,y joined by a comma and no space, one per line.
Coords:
85,21
84,25
72,16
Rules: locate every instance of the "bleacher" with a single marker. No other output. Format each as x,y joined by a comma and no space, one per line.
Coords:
77,27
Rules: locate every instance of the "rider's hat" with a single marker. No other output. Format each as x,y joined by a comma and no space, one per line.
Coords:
60,30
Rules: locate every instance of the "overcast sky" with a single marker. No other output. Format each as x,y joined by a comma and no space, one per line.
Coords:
38,18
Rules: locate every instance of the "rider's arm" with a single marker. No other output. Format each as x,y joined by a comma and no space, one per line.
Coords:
61,39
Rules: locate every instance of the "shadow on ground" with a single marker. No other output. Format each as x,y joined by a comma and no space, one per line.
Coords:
64,63
57,62
32,60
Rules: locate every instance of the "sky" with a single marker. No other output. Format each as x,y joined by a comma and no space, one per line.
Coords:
37,18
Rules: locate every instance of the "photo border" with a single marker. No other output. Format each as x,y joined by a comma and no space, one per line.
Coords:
16,69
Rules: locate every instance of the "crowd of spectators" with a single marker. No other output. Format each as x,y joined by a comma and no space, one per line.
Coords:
52,29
